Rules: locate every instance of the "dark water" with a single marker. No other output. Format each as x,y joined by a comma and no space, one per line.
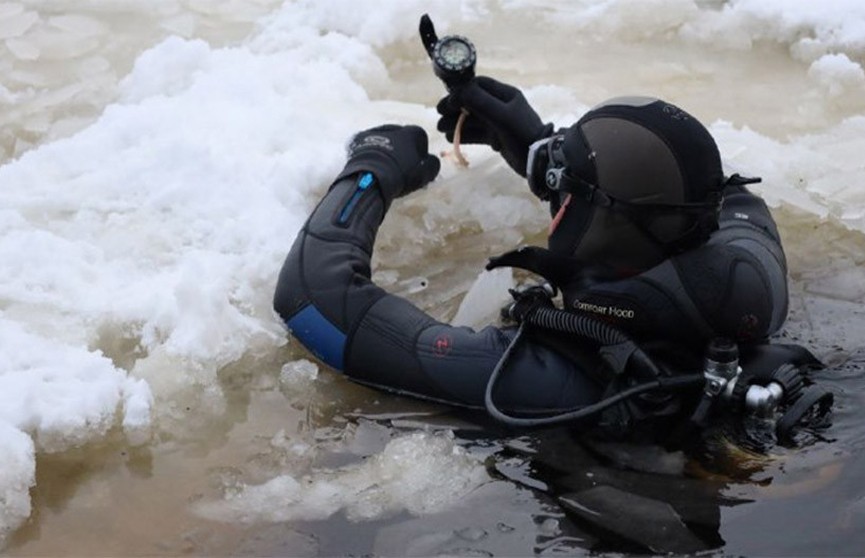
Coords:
585,497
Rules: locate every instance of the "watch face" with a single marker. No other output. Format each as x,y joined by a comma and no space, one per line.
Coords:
454,53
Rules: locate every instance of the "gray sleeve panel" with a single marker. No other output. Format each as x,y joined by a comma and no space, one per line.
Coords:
328,265
398,347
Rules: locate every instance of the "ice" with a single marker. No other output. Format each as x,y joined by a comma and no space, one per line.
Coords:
811,29
298,374
183,25
485,298
634,19
77,25
106,241
419,473
158,181
155,73
838,74
63,395
137,411
59,44
17,475
818,173
15,23
844,284
371,22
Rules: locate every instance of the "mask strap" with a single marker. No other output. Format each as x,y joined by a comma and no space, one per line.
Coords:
705,213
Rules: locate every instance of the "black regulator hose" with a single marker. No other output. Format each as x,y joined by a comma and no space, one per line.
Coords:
617,349
659,383
533,307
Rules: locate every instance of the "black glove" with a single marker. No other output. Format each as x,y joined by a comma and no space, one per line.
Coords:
396,155
499,116
527,300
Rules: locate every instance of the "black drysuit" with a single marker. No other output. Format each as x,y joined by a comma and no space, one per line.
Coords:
734,286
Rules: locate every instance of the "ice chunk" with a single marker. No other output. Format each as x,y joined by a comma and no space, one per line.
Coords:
420,473
183,25
64,395
485,298
156,72
17,475
137,409
16,24
298,374
837,74
79,25
23,49
59,45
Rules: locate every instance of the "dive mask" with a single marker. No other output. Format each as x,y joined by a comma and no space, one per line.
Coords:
551,177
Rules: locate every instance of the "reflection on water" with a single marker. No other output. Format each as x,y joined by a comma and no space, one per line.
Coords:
547,492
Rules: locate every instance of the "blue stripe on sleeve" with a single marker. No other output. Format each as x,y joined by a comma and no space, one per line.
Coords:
319,336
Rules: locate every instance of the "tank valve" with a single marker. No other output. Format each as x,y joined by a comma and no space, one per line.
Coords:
763,401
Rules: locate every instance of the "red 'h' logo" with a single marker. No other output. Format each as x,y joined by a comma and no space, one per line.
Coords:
442,345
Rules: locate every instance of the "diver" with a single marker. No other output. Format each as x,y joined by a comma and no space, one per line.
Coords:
656,253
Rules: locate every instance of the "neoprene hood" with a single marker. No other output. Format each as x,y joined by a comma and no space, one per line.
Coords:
645,181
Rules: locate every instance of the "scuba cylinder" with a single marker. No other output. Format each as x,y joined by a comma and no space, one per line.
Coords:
726,387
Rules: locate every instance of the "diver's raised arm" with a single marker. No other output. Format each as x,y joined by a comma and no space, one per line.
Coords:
327,300
332,252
